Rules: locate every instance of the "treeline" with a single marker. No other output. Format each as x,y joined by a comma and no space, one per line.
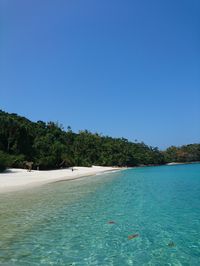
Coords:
185,153
49,146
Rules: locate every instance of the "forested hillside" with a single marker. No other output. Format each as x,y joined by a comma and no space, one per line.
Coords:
49,146
185,153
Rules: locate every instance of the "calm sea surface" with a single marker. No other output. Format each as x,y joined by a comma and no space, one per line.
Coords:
88,221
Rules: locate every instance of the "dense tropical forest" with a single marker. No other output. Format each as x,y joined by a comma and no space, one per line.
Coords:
49,146
185,153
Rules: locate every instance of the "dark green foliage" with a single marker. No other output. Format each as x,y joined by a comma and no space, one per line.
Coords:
186,153
3,161
48,146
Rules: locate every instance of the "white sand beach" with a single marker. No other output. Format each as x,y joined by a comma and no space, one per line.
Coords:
19,179
174,163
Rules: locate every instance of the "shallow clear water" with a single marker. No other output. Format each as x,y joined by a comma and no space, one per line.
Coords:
67,223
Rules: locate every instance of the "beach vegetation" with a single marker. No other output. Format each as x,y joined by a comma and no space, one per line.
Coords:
3,162
49,146
185,153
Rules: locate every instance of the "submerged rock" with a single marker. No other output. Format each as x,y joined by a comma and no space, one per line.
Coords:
133,236
111,222
171,244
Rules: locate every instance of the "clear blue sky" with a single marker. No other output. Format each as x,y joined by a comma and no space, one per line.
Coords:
121,68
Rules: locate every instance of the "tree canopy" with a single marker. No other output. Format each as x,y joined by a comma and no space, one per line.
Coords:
185,153
49,146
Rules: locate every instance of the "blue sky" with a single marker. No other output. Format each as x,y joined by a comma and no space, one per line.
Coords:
121,68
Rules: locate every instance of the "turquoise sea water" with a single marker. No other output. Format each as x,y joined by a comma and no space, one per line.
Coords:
67,223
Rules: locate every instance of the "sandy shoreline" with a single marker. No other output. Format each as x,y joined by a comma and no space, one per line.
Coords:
21,179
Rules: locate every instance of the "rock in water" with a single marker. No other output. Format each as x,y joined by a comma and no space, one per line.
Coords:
171,244
111,222
133,236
